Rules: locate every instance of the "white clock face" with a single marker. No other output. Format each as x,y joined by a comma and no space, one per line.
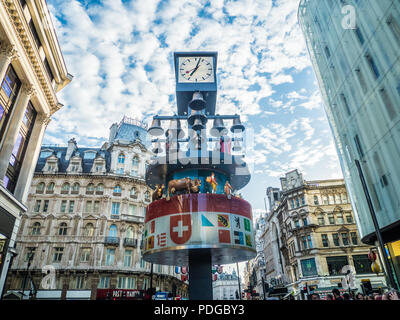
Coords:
196,70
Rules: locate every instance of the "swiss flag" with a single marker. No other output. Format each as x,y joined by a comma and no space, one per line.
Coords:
180,228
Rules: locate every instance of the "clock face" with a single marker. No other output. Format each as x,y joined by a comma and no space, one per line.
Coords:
196,70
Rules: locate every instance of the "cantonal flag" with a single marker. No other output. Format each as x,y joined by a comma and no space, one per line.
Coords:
224,236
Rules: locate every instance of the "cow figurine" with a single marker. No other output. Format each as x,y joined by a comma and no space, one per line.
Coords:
185,184
157,194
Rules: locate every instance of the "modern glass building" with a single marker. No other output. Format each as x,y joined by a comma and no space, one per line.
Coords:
355,50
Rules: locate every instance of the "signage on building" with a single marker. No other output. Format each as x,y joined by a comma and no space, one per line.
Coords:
119,294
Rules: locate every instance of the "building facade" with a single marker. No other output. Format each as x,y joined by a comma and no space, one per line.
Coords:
226,287
32,72
313,235
355,50
85,221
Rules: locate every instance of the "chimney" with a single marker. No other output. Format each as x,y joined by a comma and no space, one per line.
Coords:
71,148
113,132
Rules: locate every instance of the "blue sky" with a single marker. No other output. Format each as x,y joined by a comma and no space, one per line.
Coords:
120,53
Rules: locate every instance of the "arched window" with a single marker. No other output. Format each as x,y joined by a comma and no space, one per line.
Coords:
135,166
90,188
89,230
36,229
129,233
112,232
133,193
331,218
75,188
117,189
40,187
121,158
100,188
50,188
147,196
62,231
65,188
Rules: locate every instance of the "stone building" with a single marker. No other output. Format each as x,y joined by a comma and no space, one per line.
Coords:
313,234
226,287
32,72
85,219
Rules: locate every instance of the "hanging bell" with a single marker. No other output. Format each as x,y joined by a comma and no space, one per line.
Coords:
156,129
198,125
237,126
175,130
157,149
173,146
197,120
198,102
218,128
236,146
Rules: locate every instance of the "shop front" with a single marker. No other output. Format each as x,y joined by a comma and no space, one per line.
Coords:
394,258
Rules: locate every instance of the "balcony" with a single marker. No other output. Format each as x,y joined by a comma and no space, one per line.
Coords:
114,241
129,242
115,216
132,218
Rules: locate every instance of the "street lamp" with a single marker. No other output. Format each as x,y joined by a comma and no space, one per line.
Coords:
30,258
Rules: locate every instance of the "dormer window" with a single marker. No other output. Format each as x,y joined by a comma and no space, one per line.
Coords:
89,155
74,167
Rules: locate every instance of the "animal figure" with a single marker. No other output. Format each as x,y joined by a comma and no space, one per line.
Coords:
228,189
157,194
185,184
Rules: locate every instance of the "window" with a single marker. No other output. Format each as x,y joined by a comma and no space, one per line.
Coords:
305,223
325,199
90,188
37,205
338,200
58,253
75,188
297,202
36,229
96,206
63,206
62,231
321,220
135,166
132,209
89,155
104,282
89,230
50,188
115,208
100,189
309,267
71,206
335,264
126,283
46,205
325,241
339,218
35,34
292,203
344,198
20,146
85,254
147,196
297,223
349,219
89,206
309,241
65,188
362,264
129,233
335,237
79,282
303,201
304,240
331,219
30,253
121,158
316,202
128,258
110,255
117,189
40,188
133,193
345,239
112,232
354,238
48,69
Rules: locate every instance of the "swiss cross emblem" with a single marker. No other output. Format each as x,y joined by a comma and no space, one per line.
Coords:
180,228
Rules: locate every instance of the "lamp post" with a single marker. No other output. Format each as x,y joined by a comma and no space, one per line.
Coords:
240,290
376,225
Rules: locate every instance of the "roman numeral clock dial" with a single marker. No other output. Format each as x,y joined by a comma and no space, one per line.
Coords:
196,69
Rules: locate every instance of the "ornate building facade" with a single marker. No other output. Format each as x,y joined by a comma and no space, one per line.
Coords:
226,287
85,219
313,234
32,72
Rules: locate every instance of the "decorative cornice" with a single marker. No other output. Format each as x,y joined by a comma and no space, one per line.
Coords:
43,119
22,30
8,50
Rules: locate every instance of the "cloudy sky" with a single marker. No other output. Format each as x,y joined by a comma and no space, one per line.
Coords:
121,56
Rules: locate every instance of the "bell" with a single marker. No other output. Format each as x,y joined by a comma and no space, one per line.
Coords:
173,146
155,129
199,119
218,128
197,103
175,130
236,146
158,149
237,126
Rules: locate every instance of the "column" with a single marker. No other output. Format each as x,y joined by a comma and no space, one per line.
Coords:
7,55
21,104
31,157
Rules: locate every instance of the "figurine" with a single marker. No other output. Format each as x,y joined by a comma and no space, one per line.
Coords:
228,189
186,184
211,180
157,194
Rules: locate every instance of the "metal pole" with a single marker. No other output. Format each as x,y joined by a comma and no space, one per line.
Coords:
240,289
376,225
151,283
26,275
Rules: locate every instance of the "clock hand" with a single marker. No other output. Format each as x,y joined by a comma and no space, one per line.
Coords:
195,69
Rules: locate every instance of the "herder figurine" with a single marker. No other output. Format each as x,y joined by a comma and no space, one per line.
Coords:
228,189
211,180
